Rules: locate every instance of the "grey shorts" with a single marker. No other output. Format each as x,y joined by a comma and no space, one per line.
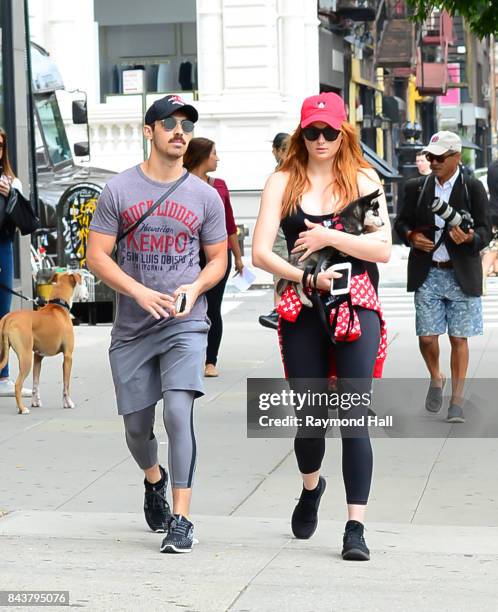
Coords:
172,357
441,305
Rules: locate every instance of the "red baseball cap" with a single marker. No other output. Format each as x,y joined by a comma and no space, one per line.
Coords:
327,107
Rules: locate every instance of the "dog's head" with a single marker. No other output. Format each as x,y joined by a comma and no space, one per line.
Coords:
361,214
73,284
373,219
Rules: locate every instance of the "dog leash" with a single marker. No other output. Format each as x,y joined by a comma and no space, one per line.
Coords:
38,301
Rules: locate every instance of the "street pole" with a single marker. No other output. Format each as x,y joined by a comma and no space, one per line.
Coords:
492,99
379,76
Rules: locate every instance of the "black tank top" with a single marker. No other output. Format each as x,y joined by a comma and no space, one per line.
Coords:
293,225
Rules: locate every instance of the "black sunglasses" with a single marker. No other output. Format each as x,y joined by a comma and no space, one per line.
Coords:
170,123
313,133
437,158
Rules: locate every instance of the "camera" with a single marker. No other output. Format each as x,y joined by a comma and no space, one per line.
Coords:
453,217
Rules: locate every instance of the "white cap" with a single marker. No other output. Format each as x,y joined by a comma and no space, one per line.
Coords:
442,142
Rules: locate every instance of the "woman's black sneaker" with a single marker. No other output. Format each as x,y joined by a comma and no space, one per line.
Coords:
305,516
180,536
156,508
354,546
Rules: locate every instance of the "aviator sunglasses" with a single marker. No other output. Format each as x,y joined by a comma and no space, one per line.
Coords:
170,123
437,158
313,133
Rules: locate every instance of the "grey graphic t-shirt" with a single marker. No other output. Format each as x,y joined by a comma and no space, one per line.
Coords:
163,252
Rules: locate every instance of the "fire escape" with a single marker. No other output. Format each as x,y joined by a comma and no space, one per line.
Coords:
432,55
396,48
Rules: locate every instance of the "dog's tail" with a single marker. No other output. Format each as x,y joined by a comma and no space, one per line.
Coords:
4,345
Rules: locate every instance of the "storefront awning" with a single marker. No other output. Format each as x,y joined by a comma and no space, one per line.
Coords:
385,170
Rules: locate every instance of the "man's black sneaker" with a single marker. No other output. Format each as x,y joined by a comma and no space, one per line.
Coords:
269,320
305,516
354,546
156,508
180,536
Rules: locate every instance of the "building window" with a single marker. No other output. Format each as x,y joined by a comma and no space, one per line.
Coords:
146,47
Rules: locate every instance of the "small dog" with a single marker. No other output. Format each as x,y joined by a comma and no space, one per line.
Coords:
44,332
358,217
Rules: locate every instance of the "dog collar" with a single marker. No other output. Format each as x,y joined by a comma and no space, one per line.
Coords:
60,302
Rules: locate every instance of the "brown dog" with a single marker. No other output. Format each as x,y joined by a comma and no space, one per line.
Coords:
44,332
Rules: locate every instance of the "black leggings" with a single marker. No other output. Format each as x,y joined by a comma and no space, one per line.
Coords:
306,354
214,298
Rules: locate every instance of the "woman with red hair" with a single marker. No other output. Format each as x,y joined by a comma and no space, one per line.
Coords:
324,171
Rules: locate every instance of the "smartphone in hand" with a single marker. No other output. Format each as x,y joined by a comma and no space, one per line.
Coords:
180,302
341,286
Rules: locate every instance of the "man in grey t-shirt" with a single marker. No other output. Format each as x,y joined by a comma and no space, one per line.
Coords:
156,351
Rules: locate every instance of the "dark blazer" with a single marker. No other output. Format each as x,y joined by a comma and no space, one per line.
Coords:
493,191
465,257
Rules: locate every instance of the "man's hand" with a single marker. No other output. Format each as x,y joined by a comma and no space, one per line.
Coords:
191,293
459,236
155,303
420,242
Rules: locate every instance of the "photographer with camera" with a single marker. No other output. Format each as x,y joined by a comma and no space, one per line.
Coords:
444,220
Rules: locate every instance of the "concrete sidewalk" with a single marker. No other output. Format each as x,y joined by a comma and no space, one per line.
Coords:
108,562
71,499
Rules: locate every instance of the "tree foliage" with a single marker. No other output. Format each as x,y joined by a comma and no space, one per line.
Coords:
480,15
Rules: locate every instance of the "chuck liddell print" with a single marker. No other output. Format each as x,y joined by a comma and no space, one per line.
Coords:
157,247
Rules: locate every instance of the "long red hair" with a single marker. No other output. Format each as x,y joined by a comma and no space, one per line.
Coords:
346,164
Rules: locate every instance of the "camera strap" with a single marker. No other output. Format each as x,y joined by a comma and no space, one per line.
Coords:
422,191
444,231
465,190
150,210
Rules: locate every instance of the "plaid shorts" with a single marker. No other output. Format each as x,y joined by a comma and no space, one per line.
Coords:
441,305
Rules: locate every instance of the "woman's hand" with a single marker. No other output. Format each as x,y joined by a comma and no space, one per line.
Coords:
314,239
324,279
4,186
239,265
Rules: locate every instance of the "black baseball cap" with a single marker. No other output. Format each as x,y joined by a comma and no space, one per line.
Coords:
167,106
